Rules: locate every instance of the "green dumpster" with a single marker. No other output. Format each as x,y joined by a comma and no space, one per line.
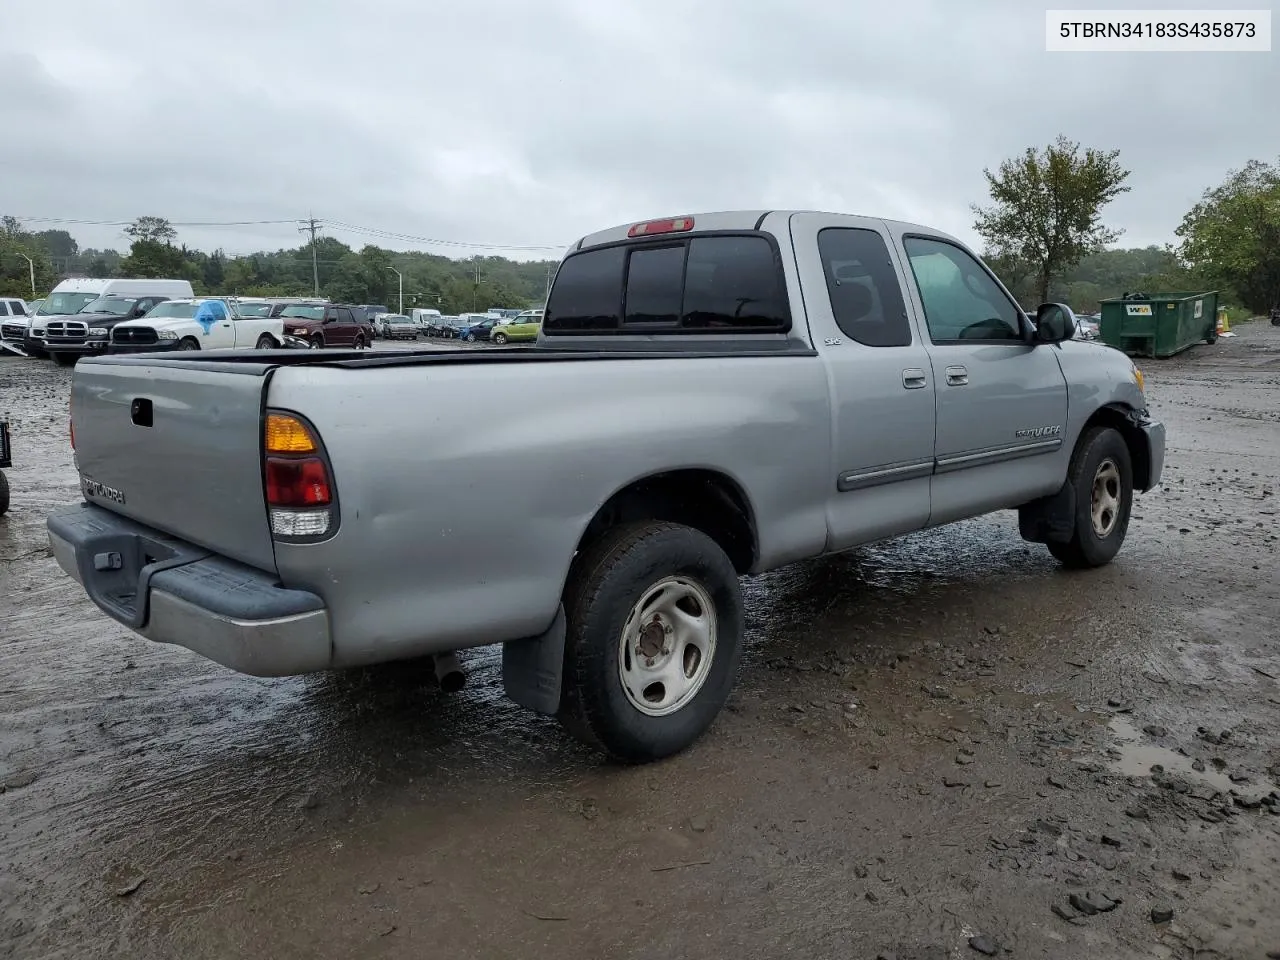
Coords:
1159,325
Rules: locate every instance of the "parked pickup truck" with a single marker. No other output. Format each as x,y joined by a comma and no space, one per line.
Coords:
200,323
710,397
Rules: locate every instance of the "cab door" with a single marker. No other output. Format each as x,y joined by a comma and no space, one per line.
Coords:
882,390
1001,397
215,325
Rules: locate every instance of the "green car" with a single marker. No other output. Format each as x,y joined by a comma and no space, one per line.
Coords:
523,326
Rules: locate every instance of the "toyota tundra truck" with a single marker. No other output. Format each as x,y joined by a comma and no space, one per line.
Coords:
709,397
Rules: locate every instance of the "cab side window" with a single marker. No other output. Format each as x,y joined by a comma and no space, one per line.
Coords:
961,301
866,296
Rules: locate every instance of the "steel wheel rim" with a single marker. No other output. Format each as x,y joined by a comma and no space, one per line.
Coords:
1104,503
667,646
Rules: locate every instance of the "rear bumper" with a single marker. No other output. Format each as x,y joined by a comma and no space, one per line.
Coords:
171,591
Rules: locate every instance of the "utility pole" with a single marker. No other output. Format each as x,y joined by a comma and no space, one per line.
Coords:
312,226
547,295
31,265
401,276
475,290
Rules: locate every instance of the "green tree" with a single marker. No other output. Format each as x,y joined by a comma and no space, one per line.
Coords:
151,230
22,258
1231,238
1047,207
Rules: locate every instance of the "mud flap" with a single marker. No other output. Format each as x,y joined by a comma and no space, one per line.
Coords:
1049,519
532,668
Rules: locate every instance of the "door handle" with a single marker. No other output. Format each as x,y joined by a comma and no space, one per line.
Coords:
957,376
913,378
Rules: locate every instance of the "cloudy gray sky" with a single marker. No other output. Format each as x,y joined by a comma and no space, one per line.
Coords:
530,123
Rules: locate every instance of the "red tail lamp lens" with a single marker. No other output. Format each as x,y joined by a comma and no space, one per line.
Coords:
297,483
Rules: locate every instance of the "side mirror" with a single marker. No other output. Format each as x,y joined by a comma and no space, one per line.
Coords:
1054,323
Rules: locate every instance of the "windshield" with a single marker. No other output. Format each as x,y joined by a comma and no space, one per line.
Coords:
60,303
303,313
116,306
171,308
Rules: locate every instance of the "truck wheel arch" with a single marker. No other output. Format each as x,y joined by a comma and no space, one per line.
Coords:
706,500
1049,518
703,499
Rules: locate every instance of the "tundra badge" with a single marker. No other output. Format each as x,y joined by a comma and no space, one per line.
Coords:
1036,433
93,489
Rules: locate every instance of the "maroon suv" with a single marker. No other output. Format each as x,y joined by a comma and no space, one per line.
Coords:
327,325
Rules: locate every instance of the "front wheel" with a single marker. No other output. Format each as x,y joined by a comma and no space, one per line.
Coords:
360,342
4,493
1101,474
266,342
655,620
316,342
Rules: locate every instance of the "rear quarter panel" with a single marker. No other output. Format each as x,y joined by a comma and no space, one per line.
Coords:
463,502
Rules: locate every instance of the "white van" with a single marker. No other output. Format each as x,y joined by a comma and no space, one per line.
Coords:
71,296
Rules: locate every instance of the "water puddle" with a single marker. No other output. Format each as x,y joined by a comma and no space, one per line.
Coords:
1135,755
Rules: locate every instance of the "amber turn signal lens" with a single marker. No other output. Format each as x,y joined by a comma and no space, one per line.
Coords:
286,434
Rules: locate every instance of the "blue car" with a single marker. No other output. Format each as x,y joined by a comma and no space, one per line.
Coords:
479,330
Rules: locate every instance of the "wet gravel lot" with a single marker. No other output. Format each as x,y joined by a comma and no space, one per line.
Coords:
939,747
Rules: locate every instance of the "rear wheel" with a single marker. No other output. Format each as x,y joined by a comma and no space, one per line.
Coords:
654,631
188,344
499,338
470,338
1102,475
266,342
65,359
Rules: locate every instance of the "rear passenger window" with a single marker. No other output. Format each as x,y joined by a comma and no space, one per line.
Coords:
655,281
4,309
866,297
587,293
734,282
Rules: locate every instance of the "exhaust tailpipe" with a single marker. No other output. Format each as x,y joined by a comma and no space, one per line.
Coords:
449,672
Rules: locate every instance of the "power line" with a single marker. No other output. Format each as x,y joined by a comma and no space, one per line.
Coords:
307,223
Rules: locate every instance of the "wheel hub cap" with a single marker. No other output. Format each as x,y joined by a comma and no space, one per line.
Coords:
667,646
1105,499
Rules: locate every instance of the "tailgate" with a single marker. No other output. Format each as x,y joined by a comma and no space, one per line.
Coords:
176,446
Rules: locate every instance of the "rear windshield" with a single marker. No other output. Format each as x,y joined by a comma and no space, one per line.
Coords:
706,284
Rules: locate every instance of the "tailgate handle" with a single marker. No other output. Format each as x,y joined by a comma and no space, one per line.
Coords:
140,411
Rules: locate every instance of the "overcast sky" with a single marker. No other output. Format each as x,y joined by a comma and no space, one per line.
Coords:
530,123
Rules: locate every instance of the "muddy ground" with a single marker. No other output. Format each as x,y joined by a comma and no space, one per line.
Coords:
932,740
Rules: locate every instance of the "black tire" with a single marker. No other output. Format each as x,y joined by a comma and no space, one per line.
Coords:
266,342
609,579
1212,337
470,338
4,493
317,342
499,338
188,344
65,359
1087,547
360,343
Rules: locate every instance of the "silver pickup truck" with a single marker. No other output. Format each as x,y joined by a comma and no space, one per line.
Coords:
710,397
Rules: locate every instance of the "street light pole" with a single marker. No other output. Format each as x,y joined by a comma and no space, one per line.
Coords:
401,276
31,265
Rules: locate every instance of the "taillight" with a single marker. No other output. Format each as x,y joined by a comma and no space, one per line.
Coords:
299,488
652,227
